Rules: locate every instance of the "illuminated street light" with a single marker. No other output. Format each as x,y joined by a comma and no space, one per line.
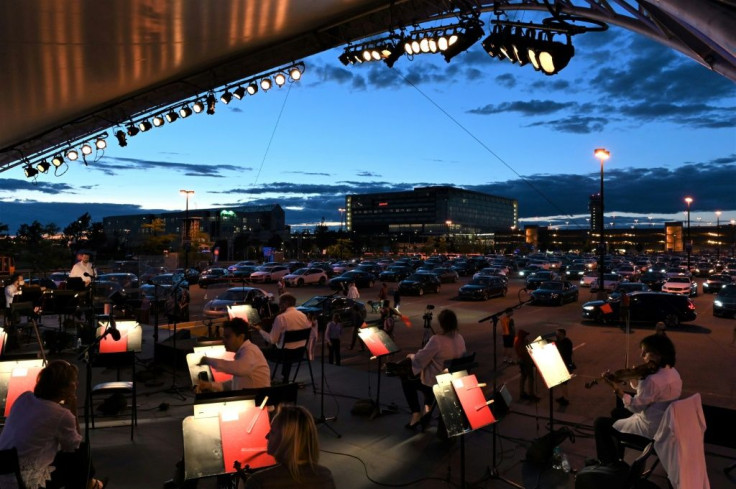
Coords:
718,235
603,155
342,213
187,239
689,245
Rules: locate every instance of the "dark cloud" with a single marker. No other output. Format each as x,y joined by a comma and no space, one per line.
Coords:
367,174
532,107
319,174
575,124
52,188
113,165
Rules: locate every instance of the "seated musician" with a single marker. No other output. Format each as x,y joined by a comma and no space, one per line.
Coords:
427,363
11,290
44,428
657,385
249,367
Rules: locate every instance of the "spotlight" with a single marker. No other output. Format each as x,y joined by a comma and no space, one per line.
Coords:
120,135
72,155
30,171
295,73
57,160
198,106
158,121
387,50
86,149
101,143
239,93
132,130
171,116
464,36
145,126
226,97
43,166
266,84
211,102
185,112
555,56
252,88
279,79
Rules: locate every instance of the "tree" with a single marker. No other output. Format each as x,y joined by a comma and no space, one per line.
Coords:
155,227
77,231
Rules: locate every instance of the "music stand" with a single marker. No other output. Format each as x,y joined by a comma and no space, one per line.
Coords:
380,344
463,408
223,431
16,377
3,341
245,312
549,364
213,375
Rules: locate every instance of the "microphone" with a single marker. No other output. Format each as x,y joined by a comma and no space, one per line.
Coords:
115,333
86,274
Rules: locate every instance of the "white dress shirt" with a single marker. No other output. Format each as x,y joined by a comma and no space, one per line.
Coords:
290,320
249,368
80,268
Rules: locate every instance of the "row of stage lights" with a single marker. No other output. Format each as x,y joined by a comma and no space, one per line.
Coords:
168,114
534,44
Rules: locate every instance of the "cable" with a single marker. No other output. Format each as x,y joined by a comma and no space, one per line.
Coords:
273,133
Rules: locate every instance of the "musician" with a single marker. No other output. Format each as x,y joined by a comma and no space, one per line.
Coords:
13,288
249,367
654,393
84,269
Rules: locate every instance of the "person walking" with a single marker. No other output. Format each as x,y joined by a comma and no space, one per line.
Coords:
508,331
356,319
564,346
383,293
332,335
353,291
526,366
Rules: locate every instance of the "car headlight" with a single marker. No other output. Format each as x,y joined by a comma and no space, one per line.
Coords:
555,296
589,308
718,303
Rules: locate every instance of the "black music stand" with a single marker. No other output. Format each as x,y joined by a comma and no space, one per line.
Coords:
550,365
322,419
380,344
463,408
174,290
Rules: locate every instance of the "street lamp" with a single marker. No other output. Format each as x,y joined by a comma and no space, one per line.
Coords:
689,245
718,235
602,154
187,238
342,213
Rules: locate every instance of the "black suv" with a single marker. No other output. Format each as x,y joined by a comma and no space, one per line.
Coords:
644,307
419,283
324,307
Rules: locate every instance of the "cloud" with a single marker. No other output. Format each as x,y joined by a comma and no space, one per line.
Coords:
575,124
112,165
319,174
12,185
367,174
532,107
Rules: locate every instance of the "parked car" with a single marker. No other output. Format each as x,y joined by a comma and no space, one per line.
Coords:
610,282
588,278
724,303
59,278
325,306
644,307
628,272
246,263
126,280
419,284
340,267
555,292
627,288
535,280
190,274
361,279
243,272
482,288
373,268
161,284
395,273
716,282
151,272
653,279
305,276
446,274
269,273
680,285
258,298
213,276
575,271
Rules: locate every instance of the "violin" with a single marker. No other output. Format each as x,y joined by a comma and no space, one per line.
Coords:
639,372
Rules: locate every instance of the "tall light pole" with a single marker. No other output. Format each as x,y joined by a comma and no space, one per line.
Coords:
689,245
602,154
342,213
187,238
718,235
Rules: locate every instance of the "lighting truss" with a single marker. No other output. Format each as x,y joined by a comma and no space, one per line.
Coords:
449,40
387,50
157,116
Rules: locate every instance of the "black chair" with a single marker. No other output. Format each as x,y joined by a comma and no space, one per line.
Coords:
118,387
466,362
295,355
277,394
9,465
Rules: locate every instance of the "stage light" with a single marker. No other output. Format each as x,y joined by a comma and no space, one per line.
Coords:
295,73
198,106
185,112
239,93
145,126
266,84
252,88
57,160
132,130
211,102
554,55
43,166
30,171
279,79
101,143
461,39
387,50
171,116
158,121
226,97
86,149
120,135
72,155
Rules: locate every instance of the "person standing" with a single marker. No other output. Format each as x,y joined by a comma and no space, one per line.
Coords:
13,289
564,346
526,366
383,293
281,286
84,269
332,335
356,319
288,319
397,298
508,331
353,292
249,368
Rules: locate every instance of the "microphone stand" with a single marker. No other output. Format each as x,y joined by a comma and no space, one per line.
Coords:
174,389
322,419
87,355
492,471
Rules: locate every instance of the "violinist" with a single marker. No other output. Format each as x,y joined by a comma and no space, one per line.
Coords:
657,384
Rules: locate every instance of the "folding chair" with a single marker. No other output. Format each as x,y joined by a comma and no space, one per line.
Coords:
290,356
466,362
9,465
126,388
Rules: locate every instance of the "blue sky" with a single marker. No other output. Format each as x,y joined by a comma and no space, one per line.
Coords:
477,123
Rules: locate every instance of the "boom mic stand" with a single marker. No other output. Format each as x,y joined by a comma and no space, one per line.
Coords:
322,419
493,470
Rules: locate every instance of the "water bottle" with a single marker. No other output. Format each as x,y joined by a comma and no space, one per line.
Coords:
565,464
557,458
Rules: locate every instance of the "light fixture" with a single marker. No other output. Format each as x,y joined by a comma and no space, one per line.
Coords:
295,73
158,121
30,171
86,149
171,116
185,112
252,88
279,79
72,155
43,166
198,106
553,56
266,84
145,126
132,130
239,93
449,40
101,142
211,102
120,135
226,97
387,50
57,160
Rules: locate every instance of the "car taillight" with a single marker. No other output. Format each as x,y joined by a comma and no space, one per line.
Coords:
690,305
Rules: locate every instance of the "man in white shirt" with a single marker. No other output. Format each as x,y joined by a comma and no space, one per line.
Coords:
289,319
13,288
249,367
83,269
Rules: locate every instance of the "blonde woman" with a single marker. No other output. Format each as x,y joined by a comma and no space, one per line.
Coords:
293,442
